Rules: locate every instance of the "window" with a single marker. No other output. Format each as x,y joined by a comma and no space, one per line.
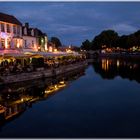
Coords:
18,30
15,43
25,42
14,29
2,27
3,43
32,43
8,43
32,32
25,31
8,28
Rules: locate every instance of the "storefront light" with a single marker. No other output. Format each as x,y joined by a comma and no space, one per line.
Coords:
42,40
55,50
50,49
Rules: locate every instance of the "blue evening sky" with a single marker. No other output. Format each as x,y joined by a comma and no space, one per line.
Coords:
74,22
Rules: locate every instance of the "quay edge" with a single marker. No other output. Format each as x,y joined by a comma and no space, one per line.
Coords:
41,73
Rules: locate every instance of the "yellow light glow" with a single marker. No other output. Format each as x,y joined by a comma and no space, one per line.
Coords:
118,63
50,49
18,44
55,50
6,45
61,82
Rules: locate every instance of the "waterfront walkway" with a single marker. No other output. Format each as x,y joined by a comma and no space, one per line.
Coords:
41,73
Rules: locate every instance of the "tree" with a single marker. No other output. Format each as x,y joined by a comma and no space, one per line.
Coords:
86,45
56,42
107,38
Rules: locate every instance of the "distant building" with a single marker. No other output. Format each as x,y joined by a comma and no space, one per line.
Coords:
42,40
10,32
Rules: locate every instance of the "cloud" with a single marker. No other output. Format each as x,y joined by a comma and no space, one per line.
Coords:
76,21
124,28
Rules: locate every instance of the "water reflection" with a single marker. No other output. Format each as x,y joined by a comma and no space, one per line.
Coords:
15,99
109,68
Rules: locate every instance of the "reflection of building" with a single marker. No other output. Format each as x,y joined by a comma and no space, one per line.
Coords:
14,110
10,32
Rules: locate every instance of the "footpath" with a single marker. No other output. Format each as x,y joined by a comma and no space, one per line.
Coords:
41,73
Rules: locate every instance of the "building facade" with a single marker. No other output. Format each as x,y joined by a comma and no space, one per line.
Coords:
10,32
42,40
34,39
29,38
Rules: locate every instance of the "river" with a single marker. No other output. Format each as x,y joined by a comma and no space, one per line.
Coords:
101,101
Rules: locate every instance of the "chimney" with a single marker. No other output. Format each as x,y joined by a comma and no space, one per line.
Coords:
27,25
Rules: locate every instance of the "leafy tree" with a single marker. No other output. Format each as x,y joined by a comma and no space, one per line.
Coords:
86,45
56,41
107,38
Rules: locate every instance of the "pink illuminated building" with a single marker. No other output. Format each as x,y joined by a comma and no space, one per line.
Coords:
10,32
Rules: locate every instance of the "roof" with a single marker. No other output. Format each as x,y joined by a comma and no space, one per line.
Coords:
9,19
29,31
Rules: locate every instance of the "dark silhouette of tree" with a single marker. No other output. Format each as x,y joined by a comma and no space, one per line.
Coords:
122,41
56,41
108,38
86,45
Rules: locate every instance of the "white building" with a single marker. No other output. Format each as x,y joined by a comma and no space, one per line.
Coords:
10,32
29,38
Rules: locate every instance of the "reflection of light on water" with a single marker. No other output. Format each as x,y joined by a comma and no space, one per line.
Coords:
55,87
105,64
118,63
2,109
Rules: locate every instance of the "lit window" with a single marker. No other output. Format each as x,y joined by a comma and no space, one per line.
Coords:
8,43
3,43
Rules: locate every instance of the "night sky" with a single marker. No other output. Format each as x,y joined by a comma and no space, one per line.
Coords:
74,22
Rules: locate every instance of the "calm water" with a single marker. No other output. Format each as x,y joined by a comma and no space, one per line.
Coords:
102,103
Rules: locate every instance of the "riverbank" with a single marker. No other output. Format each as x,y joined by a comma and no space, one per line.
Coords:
41,73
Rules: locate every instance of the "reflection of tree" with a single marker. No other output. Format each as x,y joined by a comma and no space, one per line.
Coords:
110,68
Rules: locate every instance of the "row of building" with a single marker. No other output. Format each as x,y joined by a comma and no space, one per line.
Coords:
16,36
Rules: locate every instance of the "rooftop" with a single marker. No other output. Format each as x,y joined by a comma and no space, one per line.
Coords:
9,19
